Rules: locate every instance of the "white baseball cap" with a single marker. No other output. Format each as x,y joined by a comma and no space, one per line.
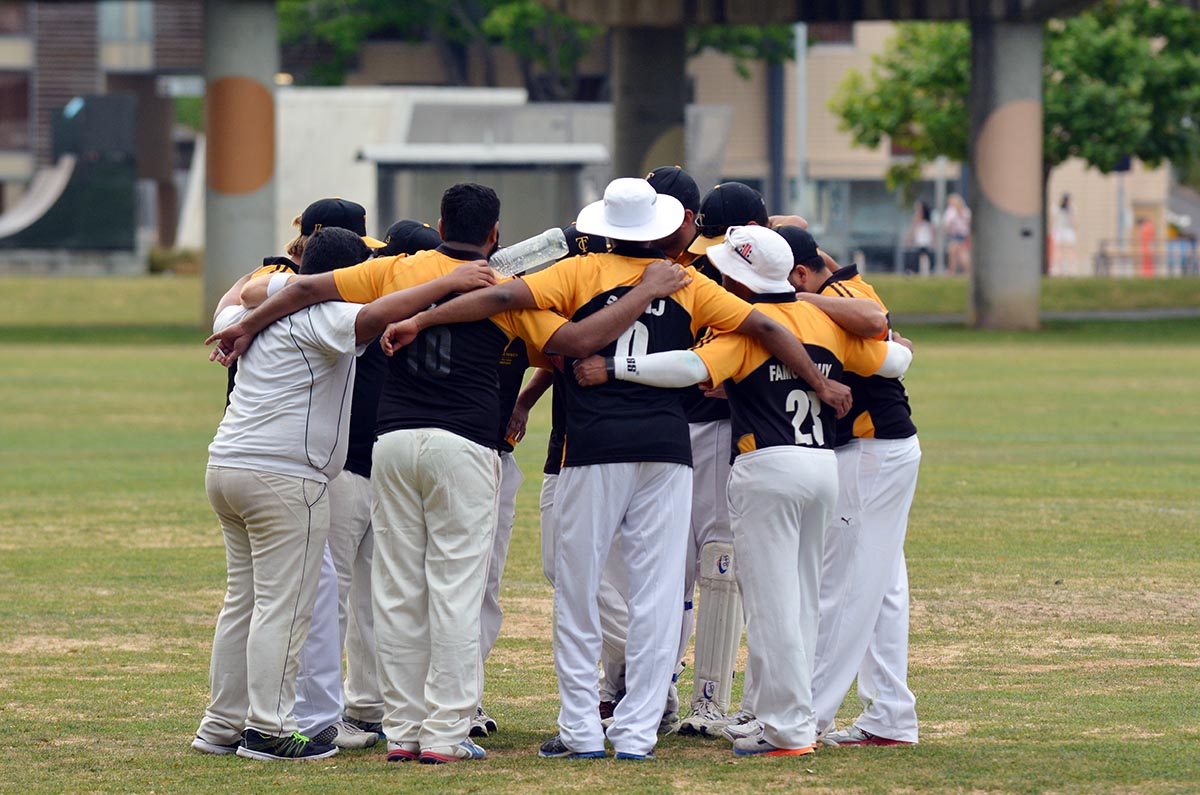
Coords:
756,256
631,210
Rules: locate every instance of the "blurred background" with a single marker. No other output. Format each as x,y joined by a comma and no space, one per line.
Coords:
863,126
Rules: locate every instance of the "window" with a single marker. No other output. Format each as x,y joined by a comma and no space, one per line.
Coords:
13,19
127,21
14,110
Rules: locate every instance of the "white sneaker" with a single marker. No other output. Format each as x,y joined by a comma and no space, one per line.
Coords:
758,746
852,735
346,735
741,724
440,755
706,719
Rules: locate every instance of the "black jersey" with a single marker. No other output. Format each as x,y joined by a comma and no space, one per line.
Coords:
881,409
621,421
447,377
364,407
514,361
771,405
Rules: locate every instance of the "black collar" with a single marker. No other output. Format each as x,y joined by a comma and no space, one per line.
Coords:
840,275
772,298
454,252
626,249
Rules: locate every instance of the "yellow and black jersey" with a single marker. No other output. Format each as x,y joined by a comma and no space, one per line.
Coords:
621,421
558,425
697,407
276,265
514,361
447,377
880,409
771,405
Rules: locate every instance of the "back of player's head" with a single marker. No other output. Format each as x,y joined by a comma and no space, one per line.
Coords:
330,248
730,204
408,237
804,247
674,181
469,211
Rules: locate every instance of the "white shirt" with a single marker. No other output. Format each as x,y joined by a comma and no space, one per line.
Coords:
289,412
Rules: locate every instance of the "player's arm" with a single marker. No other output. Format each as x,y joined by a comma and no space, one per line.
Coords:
784,346
860,316
897,337
667,369
260,288
895,361
512,294
233,341
397,306
530,394
581,338
232,295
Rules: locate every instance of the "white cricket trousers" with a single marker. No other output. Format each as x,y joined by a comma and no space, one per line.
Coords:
780,500
614,611
352,543
274,528
645,507
319,679
864,589
492,616
434,512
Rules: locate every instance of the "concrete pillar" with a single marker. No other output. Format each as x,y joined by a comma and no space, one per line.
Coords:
241,58
649,91
1006,168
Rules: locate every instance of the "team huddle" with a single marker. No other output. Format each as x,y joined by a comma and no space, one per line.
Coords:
728,417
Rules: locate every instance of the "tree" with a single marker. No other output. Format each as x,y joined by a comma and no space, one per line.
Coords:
1122,79
326,36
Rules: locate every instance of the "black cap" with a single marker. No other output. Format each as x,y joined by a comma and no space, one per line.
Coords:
730,204
804,247
580,243
674,181
339,213
408,237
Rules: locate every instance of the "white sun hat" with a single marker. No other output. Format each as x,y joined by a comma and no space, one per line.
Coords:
631,210
756,256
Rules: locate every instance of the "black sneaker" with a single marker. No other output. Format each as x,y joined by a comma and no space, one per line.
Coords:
555,748
256,745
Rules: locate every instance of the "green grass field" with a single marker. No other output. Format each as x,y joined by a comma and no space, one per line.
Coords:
1053,555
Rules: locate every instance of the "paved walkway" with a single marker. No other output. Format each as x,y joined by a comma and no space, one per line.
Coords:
901,320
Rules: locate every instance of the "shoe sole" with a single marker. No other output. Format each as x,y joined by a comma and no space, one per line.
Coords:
575,755
216,749
444,759
636,757
399,755
882,741
262,756
776,752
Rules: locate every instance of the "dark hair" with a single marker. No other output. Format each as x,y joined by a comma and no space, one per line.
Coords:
330,248
469,211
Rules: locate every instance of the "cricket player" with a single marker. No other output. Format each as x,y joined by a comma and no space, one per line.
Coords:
784,478
863,629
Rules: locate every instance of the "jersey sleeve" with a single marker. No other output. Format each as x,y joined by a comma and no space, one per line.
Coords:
535,326
555,287
862,356
366,281
228,316
715,307
538,359
728,356
267,270
328,327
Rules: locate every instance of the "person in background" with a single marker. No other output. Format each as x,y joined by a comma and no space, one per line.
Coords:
956,223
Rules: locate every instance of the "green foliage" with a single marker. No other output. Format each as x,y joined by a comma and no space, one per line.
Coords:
915,95
331,33
1121,79
744,43
189,111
